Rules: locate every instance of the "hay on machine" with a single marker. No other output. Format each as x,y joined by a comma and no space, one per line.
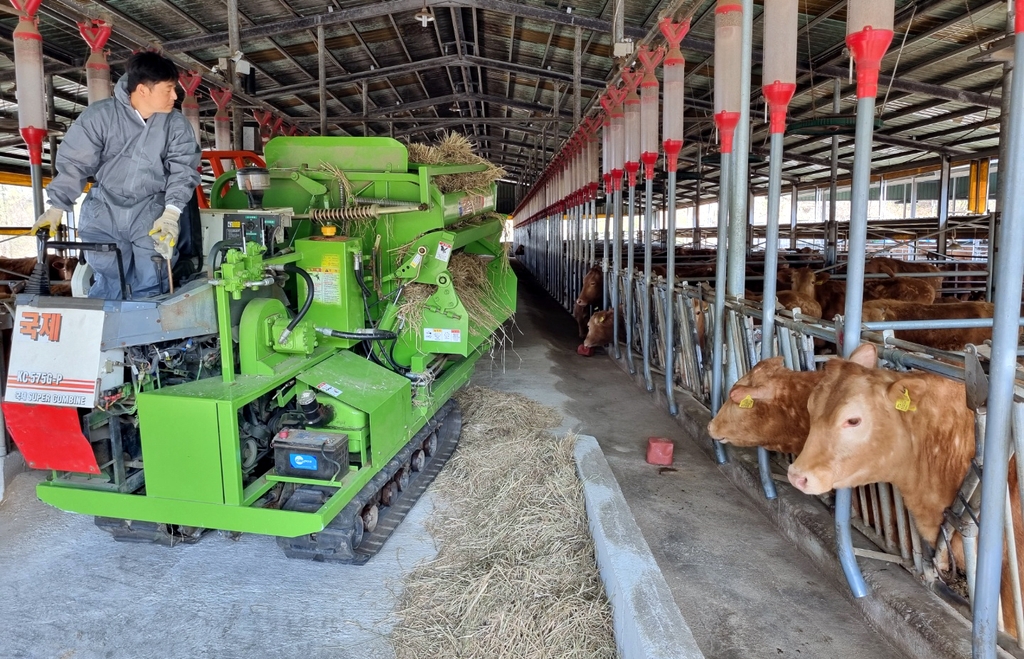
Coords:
455,149
515,575
475,290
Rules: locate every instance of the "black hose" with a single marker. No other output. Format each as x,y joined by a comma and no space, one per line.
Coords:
360,335
217,248
295,270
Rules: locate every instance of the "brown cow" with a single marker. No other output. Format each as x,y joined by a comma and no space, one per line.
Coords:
914,430
877,264
802,295
775,416
600,329
942,339
906,289
590,293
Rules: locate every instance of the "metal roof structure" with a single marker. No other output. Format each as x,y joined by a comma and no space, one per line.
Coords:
502,72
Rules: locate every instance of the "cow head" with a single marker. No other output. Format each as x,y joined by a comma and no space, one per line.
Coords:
767,407
600,329
593,281
581,314
855,424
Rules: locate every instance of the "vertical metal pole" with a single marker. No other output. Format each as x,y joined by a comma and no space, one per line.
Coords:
648,253
234,46
1001,375
577,76
854,300
718,340
740,184
321,59
995,251
771,265
793,197
696,203
605,260
51,115
630,267
670,294
832,232
364,102
943,206
616,264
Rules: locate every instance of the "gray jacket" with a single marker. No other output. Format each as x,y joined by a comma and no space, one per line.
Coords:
139,166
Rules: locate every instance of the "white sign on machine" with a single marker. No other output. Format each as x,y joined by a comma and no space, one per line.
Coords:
56,358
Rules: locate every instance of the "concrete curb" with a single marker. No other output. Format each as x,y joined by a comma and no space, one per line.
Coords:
918,623
646,620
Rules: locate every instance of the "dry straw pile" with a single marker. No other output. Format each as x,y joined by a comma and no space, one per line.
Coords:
515,575
455,149
475,290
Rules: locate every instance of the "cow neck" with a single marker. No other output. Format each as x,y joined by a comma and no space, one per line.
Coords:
941,445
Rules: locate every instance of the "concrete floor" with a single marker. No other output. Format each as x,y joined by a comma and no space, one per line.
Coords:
744,590
70,592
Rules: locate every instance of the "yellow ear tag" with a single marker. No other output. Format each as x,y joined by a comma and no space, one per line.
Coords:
903,403
747,403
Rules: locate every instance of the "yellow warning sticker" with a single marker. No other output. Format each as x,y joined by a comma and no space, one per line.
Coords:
331,261
904,404
747,403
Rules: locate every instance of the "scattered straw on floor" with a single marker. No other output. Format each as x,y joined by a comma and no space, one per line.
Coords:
455,149
515,575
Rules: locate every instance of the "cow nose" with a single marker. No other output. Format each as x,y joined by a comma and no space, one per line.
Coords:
798,480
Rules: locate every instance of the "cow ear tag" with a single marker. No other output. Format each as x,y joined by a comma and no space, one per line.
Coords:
904,404
747,403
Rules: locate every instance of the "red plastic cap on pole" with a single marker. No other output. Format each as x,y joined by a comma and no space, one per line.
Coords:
631,171
27,7
34,140
189,81
1018,17
778,94
727,122
95,33
672,149
650,160
868,48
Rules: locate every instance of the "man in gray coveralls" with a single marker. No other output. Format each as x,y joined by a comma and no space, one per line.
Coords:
143,156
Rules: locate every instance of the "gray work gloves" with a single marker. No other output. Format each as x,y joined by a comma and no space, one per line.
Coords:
165,232
51,218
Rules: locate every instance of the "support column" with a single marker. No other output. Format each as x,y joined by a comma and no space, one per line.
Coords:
321,57
832,230
736,276
577,75
943,206
794,196
1002,372
234,46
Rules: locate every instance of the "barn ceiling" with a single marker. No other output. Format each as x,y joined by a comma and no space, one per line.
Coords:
501,72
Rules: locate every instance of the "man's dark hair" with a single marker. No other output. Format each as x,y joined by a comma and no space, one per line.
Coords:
148,68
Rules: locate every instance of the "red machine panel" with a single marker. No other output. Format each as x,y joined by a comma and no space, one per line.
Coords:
50,437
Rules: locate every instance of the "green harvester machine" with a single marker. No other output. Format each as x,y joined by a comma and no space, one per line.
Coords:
297,388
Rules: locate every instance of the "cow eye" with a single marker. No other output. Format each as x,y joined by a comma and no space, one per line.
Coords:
852,423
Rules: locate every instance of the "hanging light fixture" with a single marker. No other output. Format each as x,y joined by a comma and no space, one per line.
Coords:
424,16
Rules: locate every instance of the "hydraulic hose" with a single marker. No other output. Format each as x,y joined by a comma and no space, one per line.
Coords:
360,334
295,270
217,248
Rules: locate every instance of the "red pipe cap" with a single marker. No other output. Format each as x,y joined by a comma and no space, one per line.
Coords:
585,351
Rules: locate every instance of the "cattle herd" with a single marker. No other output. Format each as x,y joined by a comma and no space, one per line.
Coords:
17,272
815,293
853,424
